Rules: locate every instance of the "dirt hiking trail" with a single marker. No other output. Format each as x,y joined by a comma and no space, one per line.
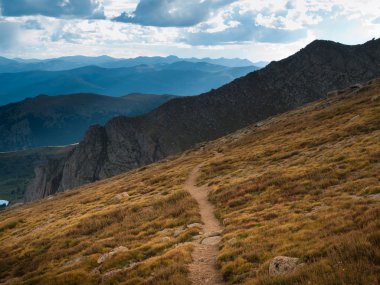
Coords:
203,269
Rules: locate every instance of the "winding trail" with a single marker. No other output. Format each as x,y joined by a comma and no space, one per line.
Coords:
203,269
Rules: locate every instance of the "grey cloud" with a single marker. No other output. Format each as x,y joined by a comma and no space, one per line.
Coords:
53,8
172,13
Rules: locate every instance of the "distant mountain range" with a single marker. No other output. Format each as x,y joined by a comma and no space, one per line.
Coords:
178,78
60,120
72,62
125,143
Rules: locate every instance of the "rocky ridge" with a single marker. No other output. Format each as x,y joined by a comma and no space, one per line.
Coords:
126,143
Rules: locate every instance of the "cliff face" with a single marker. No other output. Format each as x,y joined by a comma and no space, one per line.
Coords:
47,180
127,143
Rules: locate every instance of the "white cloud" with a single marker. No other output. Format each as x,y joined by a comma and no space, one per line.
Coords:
113,8
259,29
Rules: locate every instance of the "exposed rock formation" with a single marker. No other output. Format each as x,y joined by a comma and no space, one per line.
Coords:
126,143
47,181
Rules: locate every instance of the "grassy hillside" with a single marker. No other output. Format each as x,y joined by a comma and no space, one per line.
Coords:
304,184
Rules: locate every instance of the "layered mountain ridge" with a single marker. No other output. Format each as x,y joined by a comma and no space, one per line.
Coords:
61,120
178,78
126,143
72,62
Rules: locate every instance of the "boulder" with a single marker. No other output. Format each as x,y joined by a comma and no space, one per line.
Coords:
121,196
282,265
213,234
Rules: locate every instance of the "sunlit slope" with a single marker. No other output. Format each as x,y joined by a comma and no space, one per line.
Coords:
304,184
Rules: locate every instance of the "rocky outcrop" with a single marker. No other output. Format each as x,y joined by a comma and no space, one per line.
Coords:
47,180
126,143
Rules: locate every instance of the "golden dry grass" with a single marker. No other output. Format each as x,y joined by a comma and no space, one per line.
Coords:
58,240
304,184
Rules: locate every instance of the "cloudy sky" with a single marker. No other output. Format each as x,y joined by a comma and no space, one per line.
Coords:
253,29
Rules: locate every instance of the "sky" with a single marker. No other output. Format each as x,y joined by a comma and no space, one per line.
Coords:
254,29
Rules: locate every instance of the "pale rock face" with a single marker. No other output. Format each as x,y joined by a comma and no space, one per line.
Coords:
47,180
127,143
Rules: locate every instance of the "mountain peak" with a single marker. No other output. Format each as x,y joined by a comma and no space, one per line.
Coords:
318,44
